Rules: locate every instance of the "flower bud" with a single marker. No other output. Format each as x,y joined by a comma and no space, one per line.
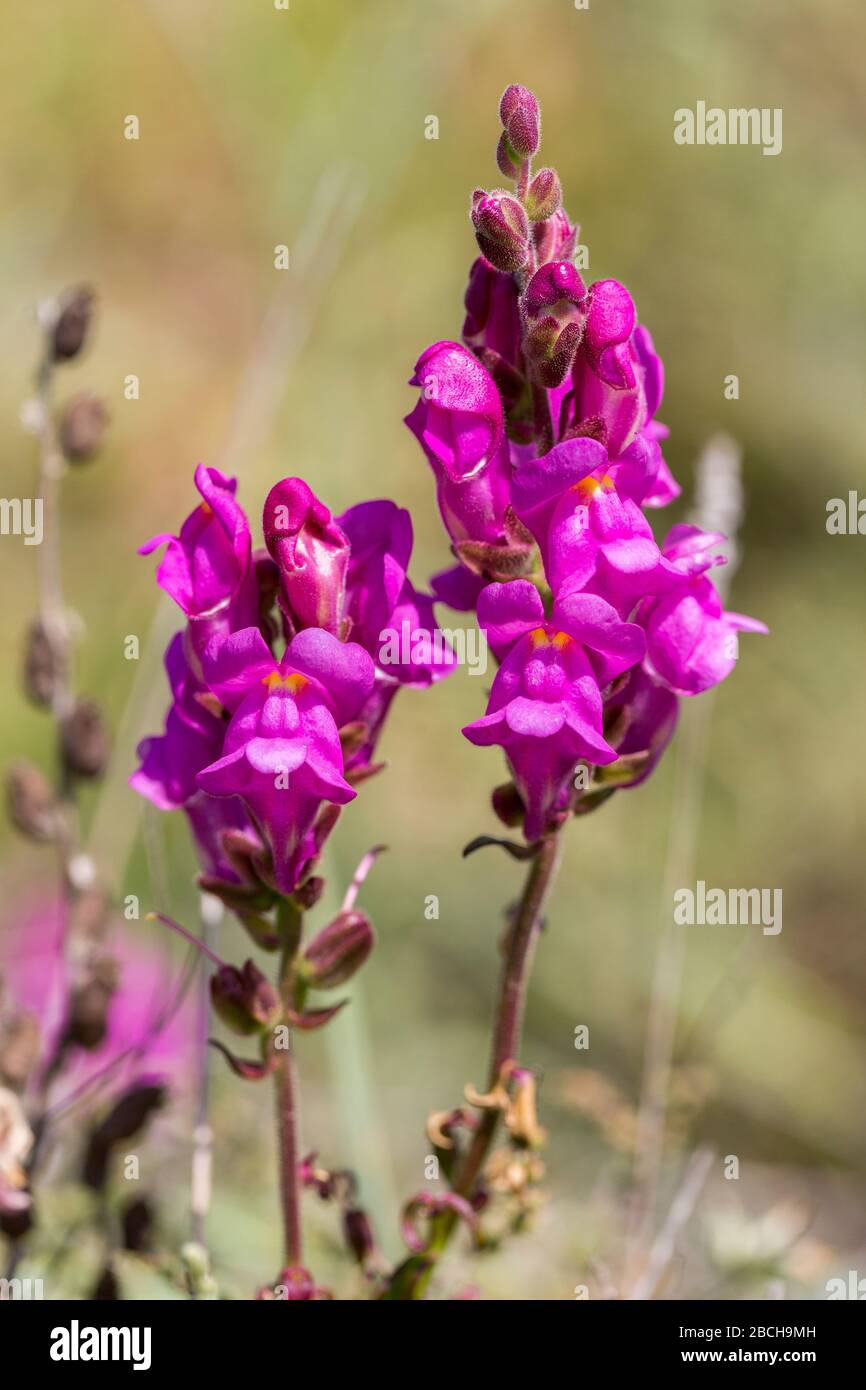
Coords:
359,1234
310,891
40,665
550,348
312,554
543,195
73,321
244,999
555,238
85,741
82,427
521,118
508,805
555,307
557,283
501,230
338,950
30,802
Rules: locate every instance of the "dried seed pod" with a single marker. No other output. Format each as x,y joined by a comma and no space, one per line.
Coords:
73,321
90,915
85,740
30,802
127,1117
41,665
88,1007
137,1222
82,427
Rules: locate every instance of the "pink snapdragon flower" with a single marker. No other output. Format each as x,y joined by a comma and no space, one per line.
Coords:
282,755
207,568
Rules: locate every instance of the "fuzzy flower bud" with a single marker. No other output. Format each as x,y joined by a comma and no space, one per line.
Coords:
338,950
244,999
501,229
544,195
554,303
521,118
555,238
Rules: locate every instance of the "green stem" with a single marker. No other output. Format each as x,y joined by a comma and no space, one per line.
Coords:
287,1131
508,1019
290,920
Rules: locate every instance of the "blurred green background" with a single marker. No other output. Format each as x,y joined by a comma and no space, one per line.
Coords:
261,127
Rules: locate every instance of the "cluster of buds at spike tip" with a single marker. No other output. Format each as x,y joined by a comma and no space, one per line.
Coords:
555,306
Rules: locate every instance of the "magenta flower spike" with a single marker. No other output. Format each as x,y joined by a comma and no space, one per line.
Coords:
542,432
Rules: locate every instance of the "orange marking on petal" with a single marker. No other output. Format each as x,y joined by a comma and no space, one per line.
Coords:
588,487
539,638
293,682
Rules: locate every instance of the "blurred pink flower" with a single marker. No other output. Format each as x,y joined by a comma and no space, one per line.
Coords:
150,1032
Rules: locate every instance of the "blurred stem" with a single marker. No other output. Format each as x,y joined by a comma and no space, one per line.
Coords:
202,1136
290,920
518,953
55,625
52,607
